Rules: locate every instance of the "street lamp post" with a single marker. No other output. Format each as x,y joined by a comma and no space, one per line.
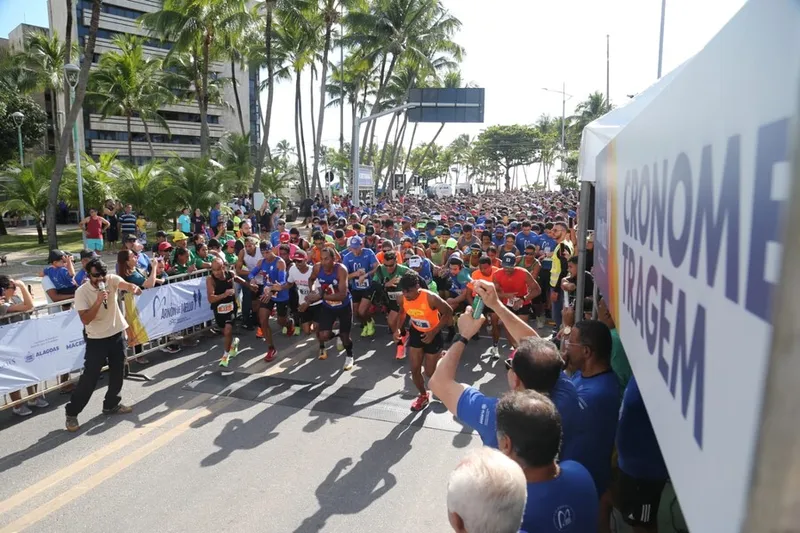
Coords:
18,119
72,72
564,98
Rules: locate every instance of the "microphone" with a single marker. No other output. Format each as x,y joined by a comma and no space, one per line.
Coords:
102,287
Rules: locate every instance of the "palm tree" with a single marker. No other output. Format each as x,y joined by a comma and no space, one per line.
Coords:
27,189
236,44
129,83
46,57
196,183
99,178
72,116
145,188
185,22
233,153
283,150
594,107
290,10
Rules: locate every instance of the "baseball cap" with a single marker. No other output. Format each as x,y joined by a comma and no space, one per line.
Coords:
284,237
451,244
56,255
356,242
265,246
500,229
415,261
161,233
88,254
177,236
164,246
509,260
299,253
370,230
130,237
422,239
231,242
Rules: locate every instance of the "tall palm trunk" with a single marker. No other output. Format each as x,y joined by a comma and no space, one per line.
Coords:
205,146
399,138
67,60
378,105
424,156
263,150
329,17
61,157
297,125
410,147
130,136
313,127
383,151
303,135
54,111
149,140
236,95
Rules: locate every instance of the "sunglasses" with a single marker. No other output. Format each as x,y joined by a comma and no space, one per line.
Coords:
96,275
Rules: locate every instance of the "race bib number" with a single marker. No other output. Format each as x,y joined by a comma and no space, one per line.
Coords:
361,285
224,309
421,324
394,296
302,291
513,301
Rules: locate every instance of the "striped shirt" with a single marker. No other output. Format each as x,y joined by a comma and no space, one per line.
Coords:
127,224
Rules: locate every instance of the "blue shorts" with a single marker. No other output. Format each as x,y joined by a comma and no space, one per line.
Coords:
94,244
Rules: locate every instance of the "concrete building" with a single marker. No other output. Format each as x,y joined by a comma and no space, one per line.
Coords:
183,138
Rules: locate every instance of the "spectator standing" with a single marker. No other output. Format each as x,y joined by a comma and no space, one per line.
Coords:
17,299
588,349
127,221
93,227
214,215
486,493
558,270
198,222
110,214
96,303
642,471
185,221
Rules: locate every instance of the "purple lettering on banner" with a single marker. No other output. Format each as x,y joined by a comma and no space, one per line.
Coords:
659,208
664,329
728,211
634,203
638,316
652,284
681,175
691,360
625,215
644,204
772,148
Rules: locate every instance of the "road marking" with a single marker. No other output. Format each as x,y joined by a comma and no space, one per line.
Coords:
111,470
112,448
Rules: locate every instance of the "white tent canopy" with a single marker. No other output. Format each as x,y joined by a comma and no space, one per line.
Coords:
598,133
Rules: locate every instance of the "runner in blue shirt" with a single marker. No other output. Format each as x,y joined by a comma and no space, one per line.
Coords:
361,264
526,236
268,281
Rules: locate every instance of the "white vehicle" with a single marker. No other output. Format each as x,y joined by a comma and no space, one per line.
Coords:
440,190
463,188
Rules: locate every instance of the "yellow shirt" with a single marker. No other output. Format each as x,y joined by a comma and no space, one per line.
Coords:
141,224
109,320
555,269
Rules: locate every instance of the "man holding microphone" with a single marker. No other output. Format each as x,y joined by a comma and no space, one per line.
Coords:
96,303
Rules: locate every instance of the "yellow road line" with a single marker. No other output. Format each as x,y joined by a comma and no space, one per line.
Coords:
111,448
111,470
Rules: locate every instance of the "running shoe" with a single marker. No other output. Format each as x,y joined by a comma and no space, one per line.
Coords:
271,353
39,402
259,333
348,363
495,353
421,402
234,351
339,344
289,330
371,326
323,353
284,330
21,410
226,358
296,331
365,330
401,352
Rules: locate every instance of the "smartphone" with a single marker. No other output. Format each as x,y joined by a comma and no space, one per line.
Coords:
477,307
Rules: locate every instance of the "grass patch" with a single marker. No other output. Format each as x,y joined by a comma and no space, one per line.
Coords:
70,241
37,262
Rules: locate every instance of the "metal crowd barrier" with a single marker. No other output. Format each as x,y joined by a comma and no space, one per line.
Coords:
58,383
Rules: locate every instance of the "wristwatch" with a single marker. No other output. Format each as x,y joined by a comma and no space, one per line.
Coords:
460,338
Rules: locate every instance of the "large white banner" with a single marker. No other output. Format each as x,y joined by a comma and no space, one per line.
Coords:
43,348
40,349
690,206
169,309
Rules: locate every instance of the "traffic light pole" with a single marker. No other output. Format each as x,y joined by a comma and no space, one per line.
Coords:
354,151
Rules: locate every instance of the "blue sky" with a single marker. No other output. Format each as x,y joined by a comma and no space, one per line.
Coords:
15,12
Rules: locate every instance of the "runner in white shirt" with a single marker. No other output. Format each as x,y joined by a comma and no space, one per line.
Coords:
299,273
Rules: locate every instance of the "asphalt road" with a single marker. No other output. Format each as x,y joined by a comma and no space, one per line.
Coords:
294,446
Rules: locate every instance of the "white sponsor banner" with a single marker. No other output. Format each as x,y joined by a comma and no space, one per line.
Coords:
690,206
365,180
171,308
32,351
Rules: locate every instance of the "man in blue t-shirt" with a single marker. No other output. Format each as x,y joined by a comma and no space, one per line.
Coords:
588,349
526,236
361,264
536,365
642,472
561,494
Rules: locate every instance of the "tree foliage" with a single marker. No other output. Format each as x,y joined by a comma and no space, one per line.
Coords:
34,125
508,147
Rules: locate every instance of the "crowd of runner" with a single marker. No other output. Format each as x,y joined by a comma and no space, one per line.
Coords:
417,265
